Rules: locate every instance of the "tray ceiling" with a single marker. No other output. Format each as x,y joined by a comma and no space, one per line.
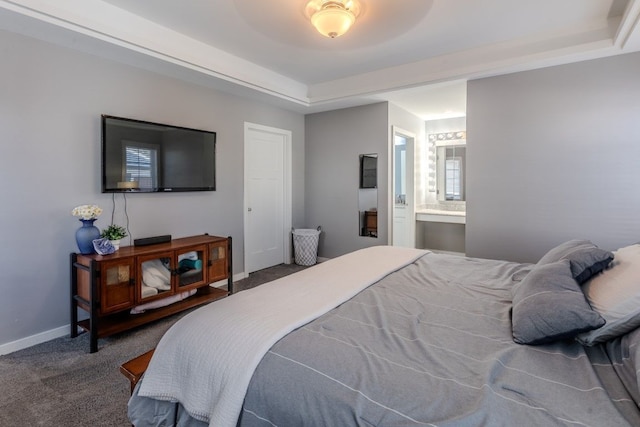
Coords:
268,49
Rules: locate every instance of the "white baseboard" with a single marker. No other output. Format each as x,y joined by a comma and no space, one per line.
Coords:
32,340
62,331
223,283
240,276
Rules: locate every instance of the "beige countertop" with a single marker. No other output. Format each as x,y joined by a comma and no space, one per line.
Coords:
437,215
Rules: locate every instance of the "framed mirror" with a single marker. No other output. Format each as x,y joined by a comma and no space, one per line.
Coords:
368,195
451,162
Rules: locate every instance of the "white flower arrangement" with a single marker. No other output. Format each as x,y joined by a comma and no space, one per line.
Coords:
87,212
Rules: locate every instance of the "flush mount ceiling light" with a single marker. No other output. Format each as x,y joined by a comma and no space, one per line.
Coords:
332,18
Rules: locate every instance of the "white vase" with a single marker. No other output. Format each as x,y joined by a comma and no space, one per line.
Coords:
116,244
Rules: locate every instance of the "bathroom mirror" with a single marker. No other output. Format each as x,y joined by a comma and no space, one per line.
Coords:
451,162
368,195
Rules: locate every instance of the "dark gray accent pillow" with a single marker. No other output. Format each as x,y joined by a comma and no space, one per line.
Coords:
548,305
586,259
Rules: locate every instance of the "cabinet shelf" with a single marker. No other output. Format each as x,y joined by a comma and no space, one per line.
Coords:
124,321
107,287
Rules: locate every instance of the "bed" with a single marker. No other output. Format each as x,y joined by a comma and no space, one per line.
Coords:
390,336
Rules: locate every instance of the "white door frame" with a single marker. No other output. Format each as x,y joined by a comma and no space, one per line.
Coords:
287,182
411,187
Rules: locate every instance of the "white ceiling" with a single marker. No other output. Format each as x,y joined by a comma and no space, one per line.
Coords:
415,53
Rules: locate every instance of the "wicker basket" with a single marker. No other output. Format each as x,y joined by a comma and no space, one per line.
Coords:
305,245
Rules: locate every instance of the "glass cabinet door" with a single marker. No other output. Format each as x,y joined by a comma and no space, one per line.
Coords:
189,270
116,288
155,274
217,263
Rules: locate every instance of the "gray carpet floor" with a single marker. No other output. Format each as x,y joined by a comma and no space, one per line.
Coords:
59,383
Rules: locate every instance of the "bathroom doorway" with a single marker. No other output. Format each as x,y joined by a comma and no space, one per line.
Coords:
402,203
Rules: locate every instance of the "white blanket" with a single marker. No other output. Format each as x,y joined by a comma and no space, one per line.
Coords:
206,360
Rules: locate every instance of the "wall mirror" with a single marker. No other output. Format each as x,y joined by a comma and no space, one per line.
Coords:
451,162
368,195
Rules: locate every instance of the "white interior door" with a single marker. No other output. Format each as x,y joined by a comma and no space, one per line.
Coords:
267,186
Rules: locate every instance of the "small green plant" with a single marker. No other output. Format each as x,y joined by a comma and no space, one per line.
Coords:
114,232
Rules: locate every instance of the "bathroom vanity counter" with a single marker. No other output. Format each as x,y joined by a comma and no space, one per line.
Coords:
437,215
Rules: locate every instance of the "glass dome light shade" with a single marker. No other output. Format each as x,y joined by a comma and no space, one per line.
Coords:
333,21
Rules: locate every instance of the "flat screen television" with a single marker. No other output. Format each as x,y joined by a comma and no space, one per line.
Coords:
139,156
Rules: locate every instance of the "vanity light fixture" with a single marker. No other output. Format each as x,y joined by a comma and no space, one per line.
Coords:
332,18
447,136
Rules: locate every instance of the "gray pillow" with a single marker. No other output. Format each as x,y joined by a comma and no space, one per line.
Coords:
586,259
548,305
615,295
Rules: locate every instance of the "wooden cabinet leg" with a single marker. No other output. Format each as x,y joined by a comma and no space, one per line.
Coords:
93,341
93,309
74,302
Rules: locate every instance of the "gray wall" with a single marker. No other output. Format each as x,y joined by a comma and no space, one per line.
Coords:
51,100
554,154
406,121
334,140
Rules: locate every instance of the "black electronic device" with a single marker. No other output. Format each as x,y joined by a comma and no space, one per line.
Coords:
152,240
369,171
142,157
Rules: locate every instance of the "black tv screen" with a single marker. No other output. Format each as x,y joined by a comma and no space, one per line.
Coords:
368,171
139,156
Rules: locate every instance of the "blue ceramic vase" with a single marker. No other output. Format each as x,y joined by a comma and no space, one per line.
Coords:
85,236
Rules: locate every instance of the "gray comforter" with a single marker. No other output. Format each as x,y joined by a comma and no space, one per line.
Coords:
430,344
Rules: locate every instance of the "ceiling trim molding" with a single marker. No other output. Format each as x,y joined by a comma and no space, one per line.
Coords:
101,21
124,36
487,61
629,25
